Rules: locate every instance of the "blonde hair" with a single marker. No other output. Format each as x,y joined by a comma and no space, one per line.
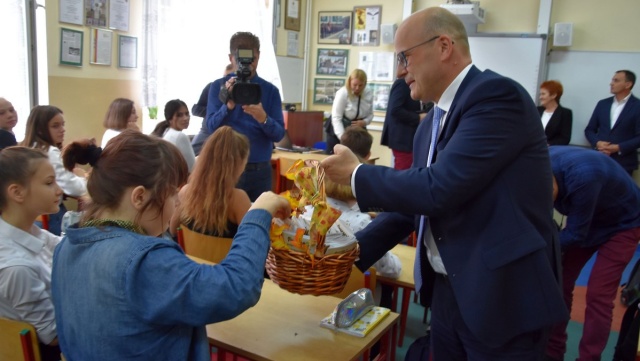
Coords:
356,74
206,203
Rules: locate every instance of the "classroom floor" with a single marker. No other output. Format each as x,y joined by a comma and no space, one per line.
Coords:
415,327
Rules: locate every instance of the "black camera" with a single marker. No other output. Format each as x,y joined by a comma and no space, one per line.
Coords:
243,91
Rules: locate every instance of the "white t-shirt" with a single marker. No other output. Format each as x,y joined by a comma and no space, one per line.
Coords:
182,142
108,135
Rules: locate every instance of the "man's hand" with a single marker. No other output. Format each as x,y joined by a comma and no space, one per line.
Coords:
341,165
256,111
229,84
611,149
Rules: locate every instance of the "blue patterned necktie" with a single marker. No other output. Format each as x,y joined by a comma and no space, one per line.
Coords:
417,267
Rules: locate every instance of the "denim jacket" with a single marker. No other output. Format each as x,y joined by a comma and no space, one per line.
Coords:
119,295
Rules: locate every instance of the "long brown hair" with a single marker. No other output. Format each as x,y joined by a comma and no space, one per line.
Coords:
213,180
37,134
130,159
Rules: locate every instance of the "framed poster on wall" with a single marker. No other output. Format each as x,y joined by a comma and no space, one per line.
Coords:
71,47
127,52
332,62
334,27
366,25
324,90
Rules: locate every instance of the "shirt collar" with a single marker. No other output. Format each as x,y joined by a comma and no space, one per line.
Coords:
447,97
25,239
623,101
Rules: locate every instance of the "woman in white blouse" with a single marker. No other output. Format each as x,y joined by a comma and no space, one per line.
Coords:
177,118
45,130
354,103
120,116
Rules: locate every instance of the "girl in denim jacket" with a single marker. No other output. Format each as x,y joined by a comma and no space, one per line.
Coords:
122,293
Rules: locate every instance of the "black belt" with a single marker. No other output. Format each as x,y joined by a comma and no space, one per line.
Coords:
257,166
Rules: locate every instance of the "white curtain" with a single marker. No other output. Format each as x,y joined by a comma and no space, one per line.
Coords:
14,65
186,46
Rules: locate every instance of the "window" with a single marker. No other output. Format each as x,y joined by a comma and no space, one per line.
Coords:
185,46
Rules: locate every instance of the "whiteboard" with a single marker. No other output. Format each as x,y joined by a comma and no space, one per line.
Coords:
519,57
291,74
585,77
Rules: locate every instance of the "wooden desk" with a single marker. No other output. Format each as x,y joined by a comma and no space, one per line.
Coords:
407,256
285,326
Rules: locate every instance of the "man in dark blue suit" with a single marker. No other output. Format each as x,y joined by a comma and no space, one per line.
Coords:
614,127
489,256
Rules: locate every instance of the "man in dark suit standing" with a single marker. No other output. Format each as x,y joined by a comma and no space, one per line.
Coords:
614,127
400,124
489,256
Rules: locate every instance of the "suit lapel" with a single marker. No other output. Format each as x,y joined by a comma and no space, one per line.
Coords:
628,108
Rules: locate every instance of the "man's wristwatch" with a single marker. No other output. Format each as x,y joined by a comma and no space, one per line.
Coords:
265,120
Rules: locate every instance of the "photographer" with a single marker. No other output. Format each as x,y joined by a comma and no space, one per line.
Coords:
259,119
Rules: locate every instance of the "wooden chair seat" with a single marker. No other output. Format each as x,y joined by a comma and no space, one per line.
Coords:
18,341
200,245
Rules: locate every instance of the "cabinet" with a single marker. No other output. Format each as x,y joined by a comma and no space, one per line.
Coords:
304,128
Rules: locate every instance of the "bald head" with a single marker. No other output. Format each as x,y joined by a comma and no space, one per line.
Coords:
437,20
432,48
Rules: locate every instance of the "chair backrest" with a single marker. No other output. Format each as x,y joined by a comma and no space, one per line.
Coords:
18,341
210,248
358,280
44,220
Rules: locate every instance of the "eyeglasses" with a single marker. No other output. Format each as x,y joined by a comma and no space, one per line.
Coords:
402,56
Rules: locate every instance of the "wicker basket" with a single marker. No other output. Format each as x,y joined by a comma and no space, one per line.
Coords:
293,271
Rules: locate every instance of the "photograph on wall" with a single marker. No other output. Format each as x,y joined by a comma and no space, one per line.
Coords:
324,90
380,93
334,27
366,25
332,62
95,13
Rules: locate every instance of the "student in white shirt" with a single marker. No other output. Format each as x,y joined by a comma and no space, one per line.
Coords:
45,131
28,189
120,116
176,115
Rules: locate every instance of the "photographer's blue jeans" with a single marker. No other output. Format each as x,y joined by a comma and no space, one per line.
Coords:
256,179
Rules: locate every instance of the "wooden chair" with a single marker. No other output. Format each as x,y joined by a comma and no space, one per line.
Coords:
209,248
44,219
18,341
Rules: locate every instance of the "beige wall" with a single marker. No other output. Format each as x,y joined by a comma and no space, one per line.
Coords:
84,93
